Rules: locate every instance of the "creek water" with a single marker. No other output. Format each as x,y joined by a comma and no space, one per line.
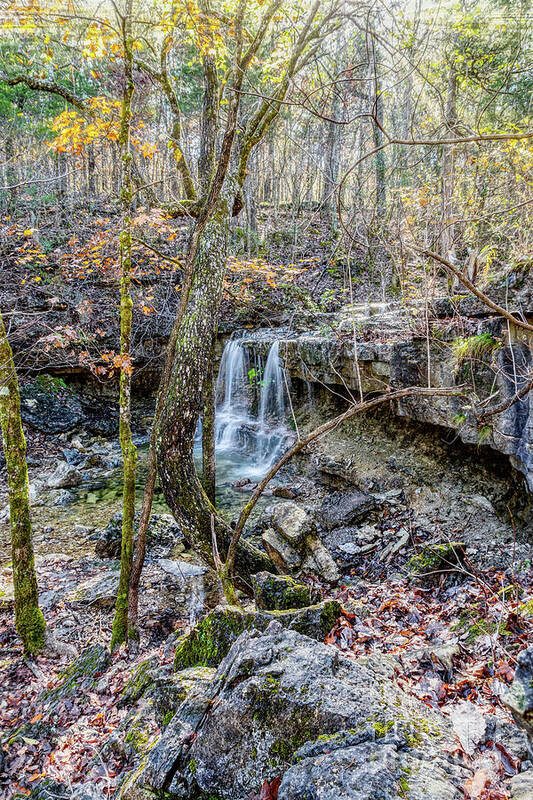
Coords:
251,433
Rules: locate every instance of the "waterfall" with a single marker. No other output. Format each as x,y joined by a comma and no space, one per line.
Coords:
232,395
257,438
271,430
272,399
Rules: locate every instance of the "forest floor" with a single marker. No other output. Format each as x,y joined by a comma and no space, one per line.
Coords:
478,626
454,640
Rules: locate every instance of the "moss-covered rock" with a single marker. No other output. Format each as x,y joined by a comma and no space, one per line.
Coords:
168,692
281,592
210,641
81,675
139,681
333,727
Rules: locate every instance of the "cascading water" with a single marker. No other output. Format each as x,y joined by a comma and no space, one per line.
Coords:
256,439
232,395
271,431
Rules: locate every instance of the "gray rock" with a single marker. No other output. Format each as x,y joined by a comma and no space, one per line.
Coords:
293,545
383,769
519,696
509,735
181,569
521,786
291,521
162,531
169,691
73,456
64,476
48,789
210,641
280,697
318,561
101,590
62,498
81,675
284,556
341,509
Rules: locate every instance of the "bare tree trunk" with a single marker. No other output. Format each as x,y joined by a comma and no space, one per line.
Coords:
381,186
447,236
175,439
208,431
29,620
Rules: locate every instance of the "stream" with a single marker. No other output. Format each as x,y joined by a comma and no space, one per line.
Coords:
251,433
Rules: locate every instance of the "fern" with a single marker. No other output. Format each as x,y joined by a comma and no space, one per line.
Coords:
474,347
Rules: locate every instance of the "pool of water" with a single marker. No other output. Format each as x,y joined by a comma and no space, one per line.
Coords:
66,529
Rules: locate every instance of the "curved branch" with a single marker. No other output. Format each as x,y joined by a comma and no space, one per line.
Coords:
472,288
316,434
39,85
508,403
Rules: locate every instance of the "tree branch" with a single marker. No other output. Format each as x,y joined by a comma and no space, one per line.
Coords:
39,85
413,391
471,287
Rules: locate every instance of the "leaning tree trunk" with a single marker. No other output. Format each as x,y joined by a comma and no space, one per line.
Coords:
29,620
180,483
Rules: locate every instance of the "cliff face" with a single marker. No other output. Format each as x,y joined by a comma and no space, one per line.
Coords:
371,347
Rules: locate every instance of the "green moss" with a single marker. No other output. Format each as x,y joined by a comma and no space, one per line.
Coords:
382,728
474,347
167,718
437,557
81,674
137,736
474,624
212,638
526,609
139,681
279,592
404,787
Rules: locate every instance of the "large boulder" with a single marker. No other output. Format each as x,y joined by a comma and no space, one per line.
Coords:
50,411
212,638
281,704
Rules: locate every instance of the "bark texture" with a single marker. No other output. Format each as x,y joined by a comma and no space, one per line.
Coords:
29,620
208,432
179,480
